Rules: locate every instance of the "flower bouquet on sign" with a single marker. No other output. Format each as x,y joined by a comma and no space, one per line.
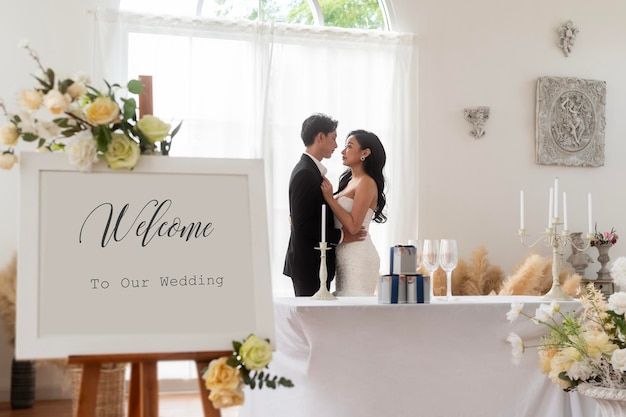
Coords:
588,347
68,114
226,376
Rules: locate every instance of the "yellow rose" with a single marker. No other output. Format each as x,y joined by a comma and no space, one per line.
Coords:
30,99
102,111
226,397
9,134
122,152
153,128
255,353
220,375
56,102
7,160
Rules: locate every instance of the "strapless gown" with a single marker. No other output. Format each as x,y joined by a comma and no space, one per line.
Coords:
358,263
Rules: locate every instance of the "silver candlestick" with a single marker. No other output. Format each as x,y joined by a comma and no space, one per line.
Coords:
558,242
323,293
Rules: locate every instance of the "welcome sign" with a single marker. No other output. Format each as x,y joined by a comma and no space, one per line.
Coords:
170,257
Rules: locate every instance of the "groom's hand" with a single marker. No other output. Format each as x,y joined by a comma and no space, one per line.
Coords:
358,236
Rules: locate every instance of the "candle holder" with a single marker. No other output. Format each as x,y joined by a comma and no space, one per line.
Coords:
323,293
557,241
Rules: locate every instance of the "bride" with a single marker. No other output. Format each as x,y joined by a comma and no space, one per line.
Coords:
359,200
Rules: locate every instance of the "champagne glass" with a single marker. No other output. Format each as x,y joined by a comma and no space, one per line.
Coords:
449,258
430,260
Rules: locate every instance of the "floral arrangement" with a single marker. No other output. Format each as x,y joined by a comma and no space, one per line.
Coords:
68,114
226,376
606,238
585,347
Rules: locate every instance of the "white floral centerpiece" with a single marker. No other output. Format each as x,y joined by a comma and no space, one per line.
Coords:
226,376
588,347
68,114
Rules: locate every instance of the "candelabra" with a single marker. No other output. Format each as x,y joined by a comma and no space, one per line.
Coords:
323,293
557,242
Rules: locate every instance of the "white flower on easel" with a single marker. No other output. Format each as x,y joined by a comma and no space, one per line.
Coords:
618,273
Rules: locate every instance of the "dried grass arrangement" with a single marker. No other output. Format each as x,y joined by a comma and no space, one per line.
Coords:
533,276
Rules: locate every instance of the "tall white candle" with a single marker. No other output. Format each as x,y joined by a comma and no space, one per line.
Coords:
323,222
521,209
589,216
565,211
556,197
550,207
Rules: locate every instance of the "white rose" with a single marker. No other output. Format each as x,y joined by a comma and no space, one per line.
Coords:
617,302
82,150
9,134
7,160
76,89
56,102
618,360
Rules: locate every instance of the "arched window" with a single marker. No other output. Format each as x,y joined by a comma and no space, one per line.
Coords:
352,14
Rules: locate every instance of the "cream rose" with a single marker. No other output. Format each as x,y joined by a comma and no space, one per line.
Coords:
56,102
598,343
76,89
226,397
153,128
102,111
220,375
9,134
82,150
30,99
255,353
7,160
122,152
618,360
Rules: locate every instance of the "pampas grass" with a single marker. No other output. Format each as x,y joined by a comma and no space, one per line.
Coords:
533,276
8,296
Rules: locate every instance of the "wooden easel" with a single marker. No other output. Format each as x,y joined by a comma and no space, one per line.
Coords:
143,399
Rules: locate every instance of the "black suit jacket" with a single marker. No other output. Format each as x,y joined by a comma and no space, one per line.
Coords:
302,262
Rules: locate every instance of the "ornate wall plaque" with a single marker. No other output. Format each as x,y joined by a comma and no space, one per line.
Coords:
570,121
478,117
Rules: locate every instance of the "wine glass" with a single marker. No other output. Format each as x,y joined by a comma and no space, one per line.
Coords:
448,258
430,260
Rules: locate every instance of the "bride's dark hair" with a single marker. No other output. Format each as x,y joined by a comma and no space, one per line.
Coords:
373,166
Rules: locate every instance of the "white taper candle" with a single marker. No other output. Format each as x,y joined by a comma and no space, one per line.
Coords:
589,216
565,211
323,222
550,207
556,197
521,209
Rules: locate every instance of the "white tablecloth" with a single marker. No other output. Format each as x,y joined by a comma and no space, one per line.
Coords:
355,357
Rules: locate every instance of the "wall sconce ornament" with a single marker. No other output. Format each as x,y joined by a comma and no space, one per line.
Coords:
570,121
477,116
567,37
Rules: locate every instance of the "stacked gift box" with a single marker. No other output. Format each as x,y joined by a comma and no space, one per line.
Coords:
403,284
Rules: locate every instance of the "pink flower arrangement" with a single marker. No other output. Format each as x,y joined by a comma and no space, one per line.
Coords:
606,238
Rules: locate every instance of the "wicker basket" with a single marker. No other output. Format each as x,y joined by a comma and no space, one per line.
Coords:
110,397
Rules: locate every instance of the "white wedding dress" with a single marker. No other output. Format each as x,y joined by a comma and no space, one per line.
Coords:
358,263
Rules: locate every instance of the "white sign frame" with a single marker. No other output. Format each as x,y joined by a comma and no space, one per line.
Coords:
53,322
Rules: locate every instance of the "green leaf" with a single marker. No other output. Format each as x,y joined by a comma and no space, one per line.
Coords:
174,132
50,75
130,108
285,382
29,137
236,346
42,142
232,361
103,137
135,86
63,86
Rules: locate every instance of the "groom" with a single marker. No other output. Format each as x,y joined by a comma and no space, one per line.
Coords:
302,262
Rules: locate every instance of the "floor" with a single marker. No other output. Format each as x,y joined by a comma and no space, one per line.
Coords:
170,405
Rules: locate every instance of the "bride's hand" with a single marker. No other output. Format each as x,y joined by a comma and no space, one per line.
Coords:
327,189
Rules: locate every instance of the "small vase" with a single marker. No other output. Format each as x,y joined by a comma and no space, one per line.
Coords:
22,384
603,258
611,401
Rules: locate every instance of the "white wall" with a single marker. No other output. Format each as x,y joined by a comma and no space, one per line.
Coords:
490,53
483,52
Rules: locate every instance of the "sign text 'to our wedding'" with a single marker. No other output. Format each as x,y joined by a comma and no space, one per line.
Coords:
149,222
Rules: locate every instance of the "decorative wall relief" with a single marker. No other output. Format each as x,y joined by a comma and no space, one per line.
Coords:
567,37
478,117
570,121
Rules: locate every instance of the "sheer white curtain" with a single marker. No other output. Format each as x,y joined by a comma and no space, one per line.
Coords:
243,89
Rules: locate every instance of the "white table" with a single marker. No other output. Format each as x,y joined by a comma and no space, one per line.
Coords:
355,357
